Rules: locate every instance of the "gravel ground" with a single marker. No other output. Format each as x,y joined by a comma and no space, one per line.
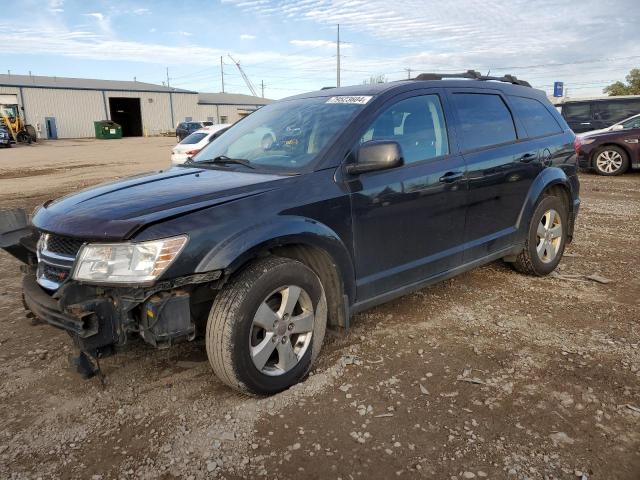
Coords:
488,375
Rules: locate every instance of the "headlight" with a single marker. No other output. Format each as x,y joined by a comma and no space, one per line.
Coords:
140,262
587,141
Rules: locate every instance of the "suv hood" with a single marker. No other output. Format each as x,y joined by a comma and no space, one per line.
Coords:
115,211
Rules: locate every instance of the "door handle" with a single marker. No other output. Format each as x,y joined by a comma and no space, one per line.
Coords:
451,177
527,157
585,123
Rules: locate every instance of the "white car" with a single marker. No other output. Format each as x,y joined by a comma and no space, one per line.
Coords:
631,122
195,142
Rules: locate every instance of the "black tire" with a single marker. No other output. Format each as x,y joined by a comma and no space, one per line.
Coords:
611,150
23,137
230,324
529,261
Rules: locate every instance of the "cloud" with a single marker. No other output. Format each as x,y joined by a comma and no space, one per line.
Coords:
246,36
183,34
141,11
103,21
313,43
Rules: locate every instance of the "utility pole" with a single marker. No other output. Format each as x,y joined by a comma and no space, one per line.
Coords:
168,84
338,58
408,73
222,73
262,86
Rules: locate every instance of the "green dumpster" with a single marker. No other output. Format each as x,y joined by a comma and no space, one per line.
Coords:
106,129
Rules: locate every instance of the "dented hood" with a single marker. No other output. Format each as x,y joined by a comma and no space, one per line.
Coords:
116,210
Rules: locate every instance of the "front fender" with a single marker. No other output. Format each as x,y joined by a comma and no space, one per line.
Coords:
548,177
234,251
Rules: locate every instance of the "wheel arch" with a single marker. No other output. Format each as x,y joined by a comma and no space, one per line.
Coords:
299,238
598,149
551,180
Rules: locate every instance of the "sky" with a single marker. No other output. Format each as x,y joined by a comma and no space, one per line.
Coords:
290,45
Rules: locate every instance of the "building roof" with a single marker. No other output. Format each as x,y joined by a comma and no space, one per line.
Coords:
83,84
231,99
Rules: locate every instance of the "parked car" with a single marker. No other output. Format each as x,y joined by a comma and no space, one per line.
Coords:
611,151
595,114
185,129
5,138
626,124
308,211
196,141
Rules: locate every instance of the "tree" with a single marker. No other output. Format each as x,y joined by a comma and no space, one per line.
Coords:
632,87
375,79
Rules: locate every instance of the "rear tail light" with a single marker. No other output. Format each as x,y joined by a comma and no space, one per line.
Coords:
193,152
577,144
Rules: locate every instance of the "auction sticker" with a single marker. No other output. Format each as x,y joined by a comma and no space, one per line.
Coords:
356,99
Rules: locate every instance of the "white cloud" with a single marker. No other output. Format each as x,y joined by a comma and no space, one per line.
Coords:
183,34
313,43
141,11
246,36
103,21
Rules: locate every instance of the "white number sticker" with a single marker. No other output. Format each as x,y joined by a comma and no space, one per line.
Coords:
357,100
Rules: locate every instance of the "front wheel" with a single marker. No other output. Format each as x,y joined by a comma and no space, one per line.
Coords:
610,161
546,238
266,326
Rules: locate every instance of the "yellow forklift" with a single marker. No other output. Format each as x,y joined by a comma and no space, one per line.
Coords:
11,119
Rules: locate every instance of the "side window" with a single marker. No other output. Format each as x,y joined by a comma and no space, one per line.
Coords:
484,120
536,118
577,112
417,124
633,123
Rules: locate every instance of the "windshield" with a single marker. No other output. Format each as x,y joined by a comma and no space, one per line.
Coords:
195,137
284,136
9,110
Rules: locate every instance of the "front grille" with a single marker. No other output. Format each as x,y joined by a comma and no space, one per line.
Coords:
54,273
56,256
63,245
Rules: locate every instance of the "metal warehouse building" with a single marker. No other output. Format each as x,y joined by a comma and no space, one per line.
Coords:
67,107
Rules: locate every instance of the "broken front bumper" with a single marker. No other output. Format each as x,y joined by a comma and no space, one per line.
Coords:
94,323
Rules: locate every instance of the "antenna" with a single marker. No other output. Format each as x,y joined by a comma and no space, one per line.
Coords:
244,77
338,59
222,73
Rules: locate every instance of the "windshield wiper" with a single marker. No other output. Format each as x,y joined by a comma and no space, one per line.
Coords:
224,160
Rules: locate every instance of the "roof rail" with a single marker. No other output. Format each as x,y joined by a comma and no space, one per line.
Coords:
474,75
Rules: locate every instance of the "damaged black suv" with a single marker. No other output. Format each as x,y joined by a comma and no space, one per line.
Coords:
307,211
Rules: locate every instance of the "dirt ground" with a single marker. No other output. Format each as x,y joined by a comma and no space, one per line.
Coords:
490,375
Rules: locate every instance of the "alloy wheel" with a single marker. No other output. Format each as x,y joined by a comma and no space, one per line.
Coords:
549,236
281,330
609,161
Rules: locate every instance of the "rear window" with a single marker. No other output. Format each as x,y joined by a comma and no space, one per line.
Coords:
194,138
536,118
484,120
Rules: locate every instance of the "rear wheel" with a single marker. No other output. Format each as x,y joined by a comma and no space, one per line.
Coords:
266,326
611,160
546,238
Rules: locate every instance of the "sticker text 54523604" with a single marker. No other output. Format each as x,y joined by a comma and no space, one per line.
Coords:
353,99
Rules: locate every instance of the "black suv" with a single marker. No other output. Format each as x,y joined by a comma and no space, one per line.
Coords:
309,210
184,129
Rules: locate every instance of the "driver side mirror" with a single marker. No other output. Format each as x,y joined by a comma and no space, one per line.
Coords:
376,155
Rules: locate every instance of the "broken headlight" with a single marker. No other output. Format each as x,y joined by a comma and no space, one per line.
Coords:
140,262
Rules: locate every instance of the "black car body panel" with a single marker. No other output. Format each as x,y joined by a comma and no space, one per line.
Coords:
383,233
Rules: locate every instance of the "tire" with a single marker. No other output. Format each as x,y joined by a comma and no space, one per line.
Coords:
246,356
610,161
536,258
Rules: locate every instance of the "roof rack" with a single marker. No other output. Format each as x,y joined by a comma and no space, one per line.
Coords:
474,75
